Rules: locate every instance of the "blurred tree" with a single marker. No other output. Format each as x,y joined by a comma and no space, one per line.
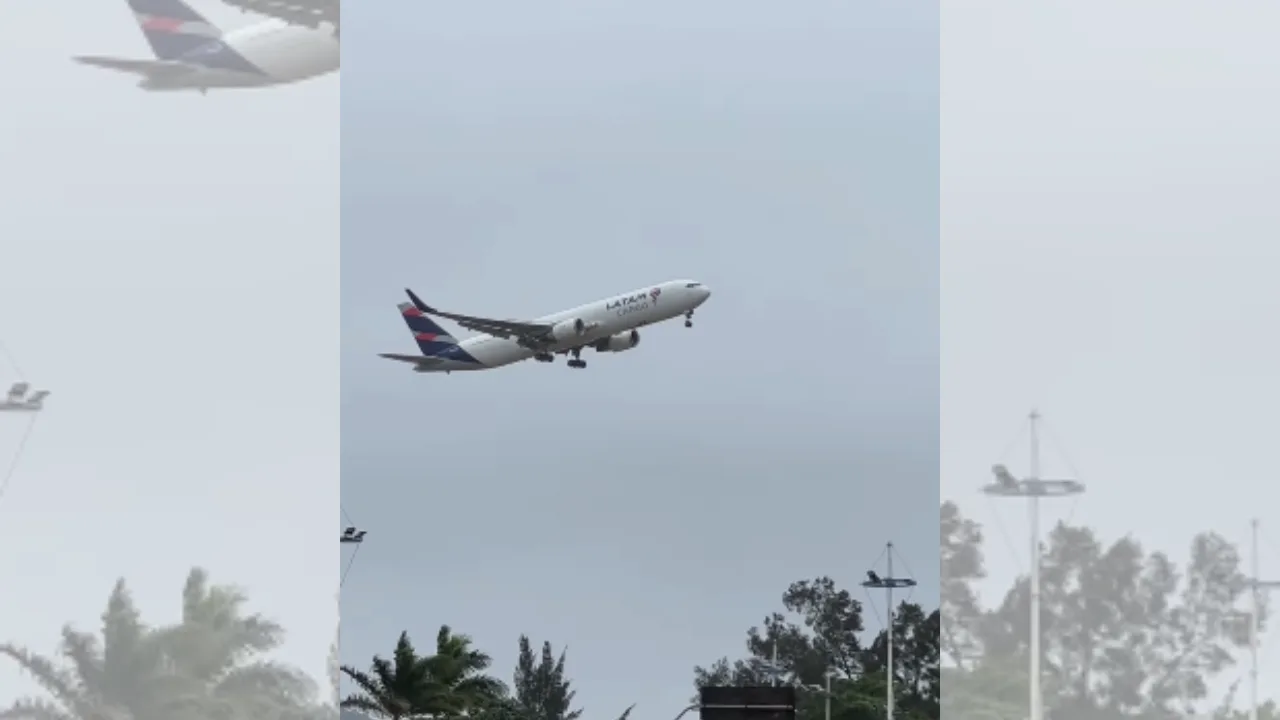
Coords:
209,665
986,691
1126,633
961,565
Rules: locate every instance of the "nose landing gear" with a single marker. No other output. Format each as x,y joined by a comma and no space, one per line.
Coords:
688,319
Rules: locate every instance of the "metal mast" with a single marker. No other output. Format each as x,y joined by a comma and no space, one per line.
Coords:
1033,488
1256,586
888,593
1037,706
888,583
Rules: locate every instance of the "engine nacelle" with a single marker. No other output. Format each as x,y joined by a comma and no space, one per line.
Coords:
620,342
570,329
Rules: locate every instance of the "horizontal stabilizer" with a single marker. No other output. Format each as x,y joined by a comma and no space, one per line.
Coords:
147,68
419,360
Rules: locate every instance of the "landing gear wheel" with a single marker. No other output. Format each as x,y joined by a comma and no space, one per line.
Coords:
688,319
577,364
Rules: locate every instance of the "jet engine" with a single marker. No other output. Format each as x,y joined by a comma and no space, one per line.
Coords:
569,329
620,342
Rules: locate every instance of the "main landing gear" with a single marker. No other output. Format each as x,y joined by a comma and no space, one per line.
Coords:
577,362
688,319
544,357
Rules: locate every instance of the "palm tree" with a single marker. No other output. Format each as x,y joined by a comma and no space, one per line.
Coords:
217,651
449,684
114,678
207,666
460,670
398,688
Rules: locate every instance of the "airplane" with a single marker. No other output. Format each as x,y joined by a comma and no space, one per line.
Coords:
19,401
192,54
609,325
307,13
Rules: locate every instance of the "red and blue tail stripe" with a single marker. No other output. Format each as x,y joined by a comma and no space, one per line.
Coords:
431,338
177,32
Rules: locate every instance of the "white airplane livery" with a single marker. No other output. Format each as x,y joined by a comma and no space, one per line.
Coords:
309,13
609,325
192,54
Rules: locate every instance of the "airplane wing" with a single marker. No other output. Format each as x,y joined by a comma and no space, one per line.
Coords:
308,13
499,328
159,69
534,332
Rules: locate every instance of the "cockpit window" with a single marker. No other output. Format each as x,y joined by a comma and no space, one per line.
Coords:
693,285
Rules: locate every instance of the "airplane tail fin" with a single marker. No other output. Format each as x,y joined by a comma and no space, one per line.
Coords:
431,338
173,28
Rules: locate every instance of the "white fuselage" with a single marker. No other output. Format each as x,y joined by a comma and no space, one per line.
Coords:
285,53
603,318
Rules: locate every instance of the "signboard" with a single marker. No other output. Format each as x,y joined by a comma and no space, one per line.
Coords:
747,703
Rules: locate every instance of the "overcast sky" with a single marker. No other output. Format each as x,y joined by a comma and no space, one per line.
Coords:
648,510
171,274
1109,252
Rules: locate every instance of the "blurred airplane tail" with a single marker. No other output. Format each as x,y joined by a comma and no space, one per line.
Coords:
173,28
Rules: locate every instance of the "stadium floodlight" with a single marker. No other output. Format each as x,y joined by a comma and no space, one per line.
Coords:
18,399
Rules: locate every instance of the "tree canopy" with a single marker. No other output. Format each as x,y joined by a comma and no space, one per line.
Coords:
453,682
821,631
213,663
1126,632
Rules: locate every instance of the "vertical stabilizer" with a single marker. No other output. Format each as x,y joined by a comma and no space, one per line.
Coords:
172,27
431,338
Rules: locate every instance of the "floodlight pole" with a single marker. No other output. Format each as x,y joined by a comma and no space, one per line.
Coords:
1256,586
827,708
1037,703
888,593
1033,488
888,584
